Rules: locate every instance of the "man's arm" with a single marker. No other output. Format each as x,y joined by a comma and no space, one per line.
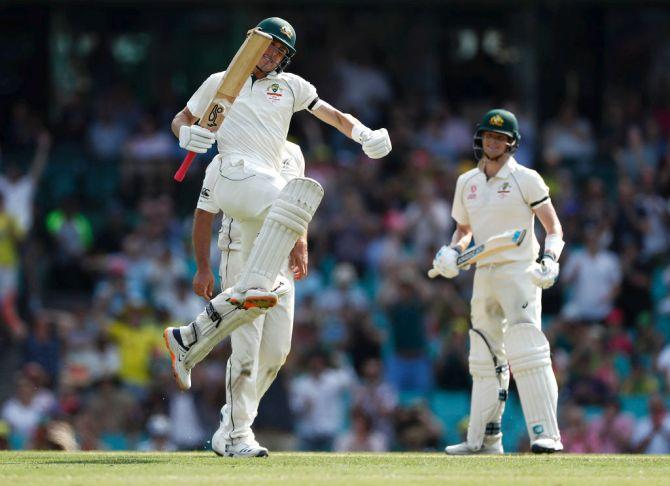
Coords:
462,237
203,281
445,262
327,113
191,137
376,143
184,117
546,273
298,258
41,156
553,243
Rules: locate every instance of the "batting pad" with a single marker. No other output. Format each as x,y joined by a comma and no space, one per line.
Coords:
215,323
489,393
528,354
286,221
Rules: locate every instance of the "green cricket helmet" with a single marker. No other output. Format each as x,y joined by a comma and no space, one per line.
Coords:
498,121
283,32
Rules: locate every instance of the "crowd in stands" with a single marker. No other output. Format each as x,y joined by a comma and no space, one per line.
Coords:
95,261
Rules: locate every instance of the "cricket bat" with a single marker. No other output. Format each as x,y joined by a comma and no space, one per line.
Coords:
238,71
496,244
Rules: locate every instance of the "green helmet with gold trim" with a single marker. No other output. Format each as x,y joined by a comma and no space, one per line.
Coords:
283,32
498,121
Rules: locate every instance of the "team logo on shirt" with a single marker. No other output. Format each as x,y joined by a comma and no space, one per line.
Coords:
473,192
274,93
204,193
504,189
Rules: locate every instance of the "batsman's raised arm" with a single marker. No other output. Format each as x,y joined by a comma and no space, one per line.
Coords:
376,143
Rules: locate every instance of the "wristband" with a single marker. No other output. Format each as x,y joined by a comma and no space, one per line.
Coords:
554,244
359,132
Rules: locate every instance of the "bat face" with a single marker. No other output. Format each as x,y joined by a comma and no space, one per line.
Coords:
495,244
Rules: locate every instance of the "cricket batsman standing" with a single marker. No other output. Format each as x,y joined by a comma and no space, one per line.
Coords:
500,195
244,181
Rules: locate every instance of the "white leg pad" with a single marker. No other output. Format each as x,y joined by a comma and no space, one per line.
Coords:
528,354
286,221
214,324
489,393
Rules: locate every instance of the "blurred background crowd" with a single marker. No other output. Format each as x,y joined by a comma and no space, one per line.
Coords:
95,253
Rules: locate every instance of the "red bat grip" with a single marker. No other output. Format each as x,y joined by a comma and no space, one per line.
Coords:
183,168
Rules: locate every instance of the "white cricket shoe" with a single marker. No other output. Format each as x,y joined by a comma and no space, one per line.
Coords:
182,375
254,298
546,446
259,298
463,449
243,448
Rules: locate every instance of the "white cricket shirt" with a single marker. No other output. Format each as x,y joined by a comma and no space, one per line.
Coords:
257,124
503,203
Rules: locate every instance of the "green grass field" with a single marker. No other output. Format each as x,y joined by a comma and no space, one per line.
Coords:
130,469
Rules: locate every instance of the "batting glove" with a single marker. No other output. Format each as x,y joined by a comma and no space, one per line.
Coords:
196,139
376,143
445,262
545,273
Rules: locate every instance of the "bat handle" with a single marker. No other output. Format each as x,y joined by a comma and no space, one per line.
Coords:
183,168
432,273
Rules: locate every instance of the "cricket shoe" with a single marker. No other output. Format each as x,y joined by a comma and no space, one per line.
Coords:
546,446
248,448
259,298
177,350
463,449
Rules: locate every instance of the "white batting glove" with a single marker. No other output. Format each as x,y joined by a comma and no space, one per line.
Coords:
545,273
445,262
376,143
196,139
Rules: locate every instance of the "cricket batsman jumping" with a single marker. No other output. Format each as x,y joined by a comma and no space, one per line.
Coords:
244,181
499,196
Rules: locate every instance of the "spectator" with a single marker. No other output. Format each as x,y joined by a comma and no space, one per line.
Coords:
23,412
362,436
376,399
593,276
652,433
10,237
404,299
18,190
158,427
318,400
417,429
610,433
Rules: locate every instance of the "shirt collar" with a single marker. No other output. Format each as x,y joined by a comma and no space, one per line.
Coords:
504,172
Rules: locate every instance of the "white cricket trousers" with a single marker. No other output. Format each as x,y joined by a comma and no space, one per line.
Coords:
504,295
244,192
259,350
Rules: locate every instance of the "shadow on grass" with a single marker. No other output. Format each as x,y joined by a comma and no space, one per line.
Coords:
111,461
